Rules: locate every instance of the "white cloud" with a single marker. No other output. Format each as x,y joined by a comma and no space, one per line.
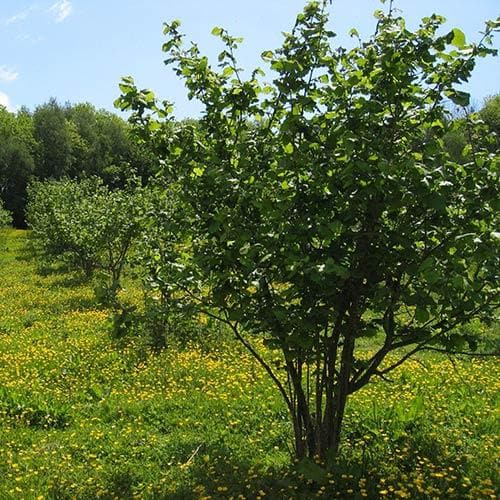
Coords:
61,9
7,74
20,16
5,101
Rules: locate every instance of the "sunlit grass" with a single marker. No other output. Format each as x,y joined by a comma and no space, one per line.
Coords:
85,416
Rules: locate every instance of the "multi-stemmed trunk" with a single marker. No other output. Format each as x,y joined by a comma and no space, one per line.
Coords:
317,402
319,382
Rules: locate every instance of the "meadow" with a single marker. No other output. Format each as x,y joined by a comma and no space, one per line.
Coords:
85,415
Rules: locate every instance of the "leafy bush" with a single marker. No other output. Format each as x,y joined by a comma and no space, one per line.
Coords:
5,221
61,226
88,225
5,216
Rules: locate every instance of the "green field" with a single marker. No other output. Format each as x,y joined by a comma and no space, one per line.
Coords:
84,415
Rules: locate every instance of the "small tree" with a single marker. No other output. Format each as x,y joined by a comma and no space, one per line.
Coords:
5,216
62,222
90,225
323,207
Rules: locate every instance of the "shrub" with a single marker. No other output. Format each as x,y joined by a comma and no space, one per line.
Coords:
5,216
89,225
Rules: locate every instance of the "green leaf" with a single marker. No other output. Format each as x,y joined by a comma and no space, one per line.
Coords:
421,314
267,55
459,98
437,202
288,148
222,55
455,342
467,150
458,39
431,276
216,31
437,124
154,126
245,248
494,25
168,45
277,66
235,314
458,282
332,267
335,227
465,235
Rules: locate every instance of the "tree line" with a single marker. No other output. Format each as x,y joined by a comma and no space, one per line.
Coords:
57,141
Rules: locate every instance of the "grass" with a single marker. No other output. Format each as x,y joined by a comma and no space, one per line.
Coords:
84,415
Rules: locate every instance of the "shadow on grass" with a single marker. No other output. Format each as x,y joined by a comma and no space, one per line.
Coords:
81,304
45,267
225,477
27,252
213,471
69,278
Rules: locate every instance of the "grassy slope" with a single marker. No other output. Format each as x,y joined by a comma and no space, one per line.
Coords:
83,416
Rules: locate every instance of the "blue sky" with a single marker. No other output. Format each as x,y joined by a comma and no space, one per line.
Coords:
77,50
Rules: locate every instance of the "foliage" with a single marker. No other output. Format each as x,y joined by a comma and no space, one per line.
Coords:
83,418
323,208
55,136
70,141
5,221
490,114
5,217
78,140
17,149
105,148
51,213
88,224
455,142
460,134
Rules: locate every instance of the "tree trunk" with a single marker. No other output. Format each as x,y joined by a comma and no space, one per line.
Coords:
319,435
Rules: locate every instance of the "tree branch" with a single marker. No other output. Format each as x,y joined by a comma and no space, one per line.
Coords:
261,361
463,353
